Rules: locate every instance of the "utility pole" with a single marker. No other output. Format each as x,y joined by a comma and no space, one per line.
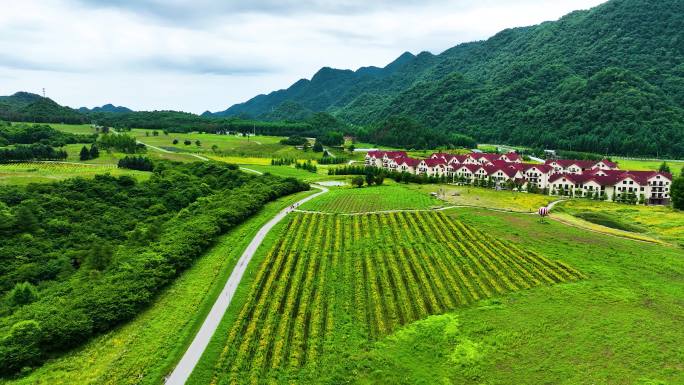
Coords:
43,92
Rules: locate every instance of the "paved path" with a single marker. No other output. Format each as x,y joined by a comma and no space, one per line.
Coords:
554,203
186,365
251,170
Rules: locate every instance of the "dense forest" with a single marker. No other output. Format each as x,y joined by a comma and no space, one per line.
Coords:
607,80
80,256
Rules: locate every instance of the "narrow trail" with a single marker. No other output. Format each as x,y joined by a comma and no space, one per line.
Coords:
192,355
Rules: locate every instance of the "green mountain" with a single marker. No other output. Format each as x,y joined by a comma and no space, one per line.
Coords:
607,80
106,108
28,107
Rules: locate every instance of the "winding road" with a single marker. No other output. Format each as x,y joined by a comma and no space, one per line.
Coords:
186,365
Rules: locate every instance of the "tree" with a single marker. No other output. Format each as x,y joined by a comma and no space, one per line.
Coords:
370,179
357,181
21,294
175,141
332,138
85,154
187,142
317,147
352,148
155,133
677,193
306,146
94,152
99,257
6,218
214,148
379,179
664,168
198,143
25,219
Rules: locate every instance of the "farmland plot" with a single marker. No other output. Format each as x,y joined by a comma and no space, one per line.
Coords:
332,276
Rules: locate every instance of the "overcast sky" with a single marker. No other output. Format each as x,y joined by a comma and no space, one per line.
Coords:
209,54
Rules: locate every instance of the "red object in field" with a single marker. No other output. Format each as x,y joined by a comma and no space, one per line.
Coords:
543,211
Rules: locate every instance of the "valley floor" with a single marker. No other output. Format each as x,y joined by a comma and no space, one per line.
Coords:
483,293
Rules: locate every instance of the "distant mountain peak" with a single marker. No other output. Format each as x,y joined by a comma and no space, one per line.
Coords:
105,108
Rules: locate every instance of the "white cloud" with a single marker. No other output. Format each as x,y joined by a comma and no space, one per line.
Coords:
206,54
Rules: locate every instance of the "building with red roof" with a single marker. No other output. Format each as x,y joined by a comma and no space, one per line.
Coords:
567,177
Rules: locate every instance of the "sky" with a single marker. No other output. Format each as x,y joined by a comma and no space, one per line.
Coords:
209,54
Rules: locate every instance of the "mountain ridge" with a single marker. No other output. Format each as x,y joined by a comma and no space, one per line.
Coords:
527,85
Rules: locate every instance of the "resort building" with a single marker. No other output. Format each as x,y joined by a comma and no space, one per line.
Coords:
577,178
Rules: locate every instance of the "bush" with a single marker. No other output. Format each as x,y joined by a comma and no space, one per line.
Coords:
21,346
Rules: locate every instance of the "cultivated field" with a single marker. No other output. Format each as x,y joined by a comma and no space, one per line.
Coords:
331,277
37,172
366,199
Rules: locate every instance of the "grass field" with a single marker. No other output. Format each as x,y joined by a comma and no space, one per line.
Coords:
648,165
483,197
331,282
144,350
40,172
82,129
655,221
226,145
291,171
386,197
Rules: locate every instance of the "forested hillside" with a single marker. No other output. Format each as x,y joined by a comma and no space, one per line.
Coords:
27,107
607,80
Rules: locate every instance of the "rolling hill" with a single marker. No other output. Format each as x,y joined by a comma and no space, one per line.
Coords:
28,107
606,80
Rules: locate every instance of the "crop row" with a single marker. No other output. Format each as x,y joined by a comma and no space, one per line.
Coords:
331,276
